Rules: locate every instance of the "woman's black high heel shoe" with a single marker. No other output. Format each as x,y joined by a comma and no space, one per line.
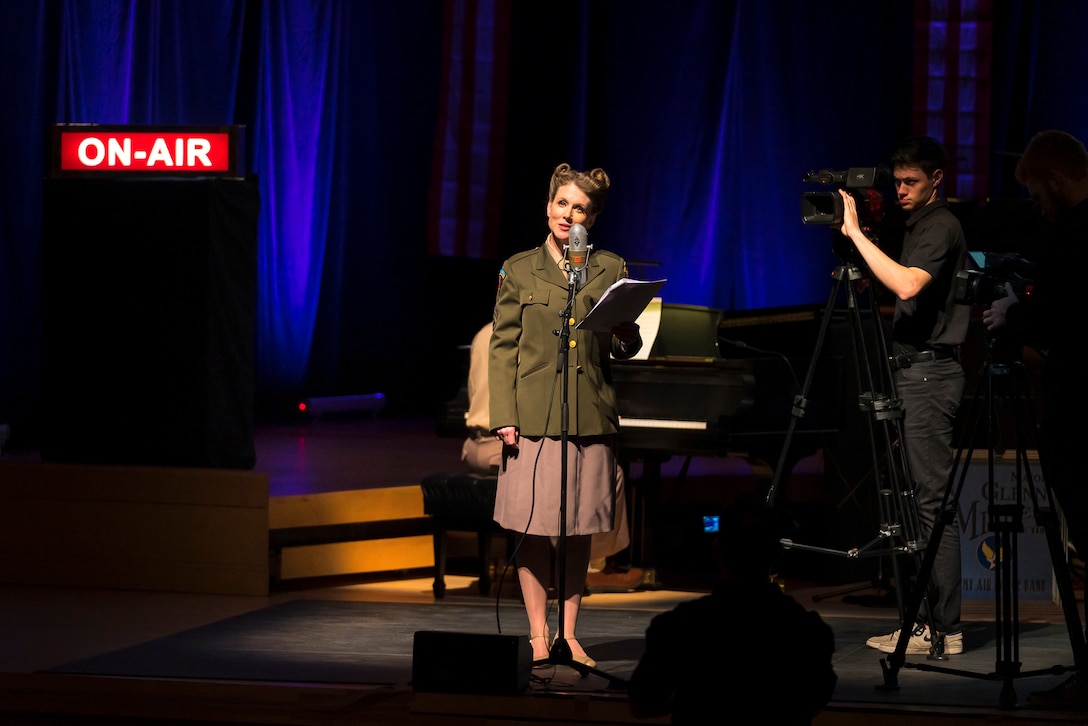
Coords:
546,661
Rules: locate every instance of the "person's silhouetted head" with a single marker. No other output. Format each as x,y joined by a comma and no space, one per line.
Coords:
749,539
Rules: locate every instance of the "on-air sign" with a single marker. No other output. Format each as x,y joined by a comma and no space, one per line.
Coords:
92,150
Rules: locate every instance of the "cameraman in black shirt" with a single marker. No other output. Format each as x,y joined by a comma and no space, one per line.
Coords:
928,327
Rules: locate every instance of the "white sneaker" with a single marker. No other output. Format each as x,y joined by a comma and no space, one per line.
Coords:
920,642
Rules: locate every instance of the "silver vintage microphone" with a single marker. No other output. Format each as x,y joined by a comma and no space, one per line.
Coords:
578,248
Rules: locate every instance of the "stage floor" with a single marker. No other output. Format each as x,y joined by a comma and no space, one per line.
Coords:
85,642
47,632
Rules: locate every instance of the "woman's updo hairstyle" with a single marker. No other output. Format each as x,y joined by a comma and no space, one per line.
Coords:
594,183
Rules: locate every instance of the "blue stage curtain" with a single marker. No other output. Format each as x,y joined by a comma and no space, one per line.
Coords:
137,62
706,115
296,137
734,102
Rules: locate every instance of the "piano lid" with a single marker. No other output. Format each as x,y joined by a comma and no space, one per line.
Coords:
687,331
687,397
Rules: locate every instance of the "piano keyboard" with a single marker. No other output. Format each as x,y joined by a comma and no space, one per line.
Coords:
657,423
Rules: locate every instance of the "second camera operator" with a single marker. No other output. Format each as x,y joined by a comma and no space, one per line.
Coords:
927,329
1054,169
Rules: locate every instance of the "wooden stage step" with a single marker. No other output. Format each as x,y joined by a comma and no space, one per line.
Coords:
349,532
196,530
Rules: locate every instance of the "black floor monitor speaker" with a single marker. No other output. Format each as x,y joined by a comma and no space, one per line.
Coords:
477,663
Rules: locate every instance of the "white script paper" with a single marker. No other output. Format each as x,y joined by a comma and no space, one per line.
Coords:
621,303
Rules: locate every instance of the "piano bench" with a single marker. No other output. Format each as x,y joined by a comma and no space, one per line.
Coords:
461,502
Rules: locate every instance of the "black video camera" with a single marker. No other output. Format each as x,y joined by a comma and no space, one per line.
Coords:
860,182
982,287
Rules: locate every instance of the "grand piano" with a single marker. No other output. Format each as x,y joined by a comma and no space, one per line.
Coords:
719,385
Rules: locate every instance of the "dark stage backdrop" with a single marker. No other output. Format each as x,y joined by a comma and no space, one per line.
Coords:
149,315
403,149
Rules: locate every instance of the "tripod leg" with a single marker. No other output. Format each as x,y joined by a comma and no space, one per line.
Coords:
946,516
1006,521
913,606
801,399
898,517
1056,544
1048,518
887,442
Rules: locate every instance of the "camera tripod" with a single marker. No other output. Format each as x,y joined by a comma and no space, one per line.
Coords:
899,524
1003,381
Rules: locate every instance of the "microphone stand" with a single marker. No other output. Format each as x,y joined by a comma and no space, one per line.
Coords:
560,653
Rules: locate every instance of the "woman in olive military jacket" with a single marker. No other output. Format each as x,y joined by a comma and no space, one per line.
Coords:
526,406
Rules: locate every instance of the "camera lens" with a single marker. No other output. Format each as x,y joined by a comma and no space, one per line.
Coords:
821,208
